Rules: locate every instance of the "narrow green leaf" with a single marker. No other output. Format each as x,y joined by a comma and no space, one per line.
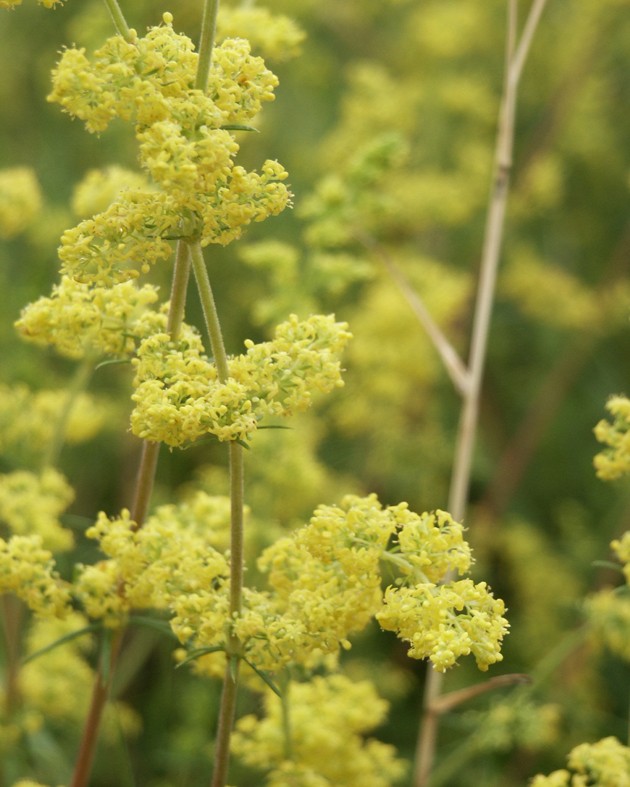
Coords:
238,127
153,623
61,641
263,676
111,362
195,654
607,564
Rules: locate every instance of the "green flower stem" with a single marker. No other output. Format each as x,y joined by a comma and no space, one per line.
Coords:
179,289
144,487
206,42
209,311
77,386
119,20
151,451
237,562
285,704
12,619
237,546
226,721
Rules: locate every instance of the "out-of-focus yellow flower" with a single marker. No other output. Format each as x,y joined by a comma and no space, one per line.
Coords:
20,198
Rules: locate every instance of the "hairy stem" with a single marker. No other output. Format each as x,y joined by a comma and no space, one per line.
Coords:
206,42
493,237
237,563
210,313
118,19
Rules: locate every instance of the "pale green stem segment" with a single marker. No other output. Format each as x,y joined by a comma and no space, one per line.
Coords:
77,386
285,703
206,42
493,238
151,451
210,313
119,20
230,685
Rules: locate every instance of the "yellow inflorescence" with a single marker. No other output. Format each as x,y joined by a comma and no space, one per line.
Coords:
27,570
150,567
276,36
325,584
32,503
614,461
186,147
328,720
20,200
179,397
28,419
81,320
605,764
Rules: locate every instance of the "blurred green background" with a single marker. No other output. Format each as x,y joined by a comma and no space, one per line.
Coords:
386,122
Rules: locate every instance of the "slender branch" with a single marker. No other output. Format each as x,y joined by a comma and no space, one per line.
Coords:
151,451
12,613
226,720
206,42
100,694
118,19
237,563
493,237
451,700
77,385
237,546
209,311
452,362
179,288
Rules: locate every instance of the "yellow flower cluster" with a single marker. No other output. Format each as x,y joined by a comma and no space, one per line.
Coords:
614,461
608,610
20,199
534,284
276,36
28,419
201,513
82,320
185,146
100,187
444,622
146,568
325,584
602,764
608,613
329,717
179,397
621,547
32,503
514,722
27,570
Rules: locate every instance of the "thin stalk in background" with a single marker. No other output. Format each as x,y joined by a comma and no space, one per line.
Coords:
516,55
144,487
237,552
77,386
